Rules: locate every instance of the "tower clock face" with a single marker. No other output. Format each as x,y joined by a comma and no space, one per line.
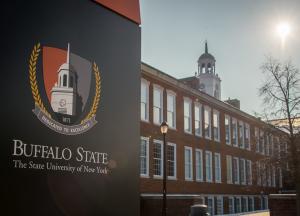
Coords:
62,102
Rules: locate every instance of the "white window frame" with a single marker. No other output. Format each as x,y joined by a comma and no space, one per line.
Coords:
243,179
199,164
238,199
146,139
257,139
273,176
247,134
217,114
218,155
190,164
222,205
198,121
258,174
244,198
159,142
237,181
235,132
262,142
161,90
146,83
213,204
207,109
189,101
249,172
232,209
229,169
227,117
175,162
172,94
241,134
208,167
252,206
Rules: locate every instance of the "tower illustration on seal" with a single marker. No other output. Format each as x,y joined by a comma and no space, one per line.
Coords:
64,95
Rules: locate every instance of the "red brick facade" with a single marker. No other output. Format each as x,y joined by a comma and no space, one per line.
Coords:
149,185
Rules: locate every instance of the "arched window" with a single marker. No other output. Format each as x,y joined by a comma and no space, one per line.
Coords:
71,82
203,68
65,80
209,68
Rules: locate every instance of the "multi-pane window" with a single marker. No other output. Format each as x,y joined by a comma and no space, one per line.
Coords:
187,115
236,170
271,145
144,156
219,205
273,176
247,136
207,122
263,174
210,205
171,109
199,165
251,203
262,142
171,160
144,100
241,134
269,175
157,158
216,125
258,173
188,163
229,169
231,207
217,167
256,135
208,166
157,104
249,172
244,204
243,171
267,144
227,130
198,119
280,178
237,204
234,132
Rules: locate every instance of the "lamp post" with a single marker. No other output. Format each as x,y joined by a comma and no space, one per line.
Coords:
164,129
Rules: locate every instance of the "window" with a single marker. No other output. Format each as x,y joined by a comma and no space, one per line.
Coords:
144,100
237,204
216,125
219,205
262,142
208,166
198,119
229,169
249,171
267,145
157,104
256,135
258,173
227,130
199,165
65,80
280,178
231,207
188,162
187,115
247,136
71,81
251,203
269,175
171,109
241,133
207,124
263,174
236,171
234,132
243,171
144,157
157,158
210,205
271,145
171,160
273,176
218,167
245,204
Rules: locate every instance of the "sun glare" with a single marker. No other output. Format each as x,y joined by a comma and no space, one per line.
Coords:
283,30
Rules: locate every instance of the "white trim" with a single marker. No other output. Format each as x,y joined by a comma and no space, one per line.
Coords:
217,113
191,163
207,108
247,126
220,167
229,169
241,134
229,125
198,105
200,164
211,168
161,91
172,94
247,205
222,205
175,162
162,159
147,83
233,204
147,157
235,130
237,170
249,171
243,163
189,101
213,204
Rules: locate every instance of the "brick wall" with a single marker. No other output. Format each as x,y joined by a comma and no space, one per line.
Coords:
282,204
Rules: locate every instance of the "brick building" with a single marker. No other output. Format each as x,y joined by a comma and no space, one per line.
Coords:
216,153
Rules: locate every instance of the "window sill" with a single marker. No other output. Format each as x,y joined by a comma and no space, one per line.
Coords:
172,178
189,180
188,132
145,121
157,177
144,176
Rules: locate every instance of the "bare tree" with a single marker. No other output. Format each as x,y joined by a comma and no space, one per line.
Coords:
281,96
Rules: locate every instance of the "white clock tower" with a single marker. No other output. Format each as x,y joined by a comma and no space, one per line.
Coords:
64,92
209,81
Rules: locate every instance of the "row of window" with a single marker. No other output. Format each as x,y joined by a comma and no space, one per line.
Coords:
237,132
239,170
236,204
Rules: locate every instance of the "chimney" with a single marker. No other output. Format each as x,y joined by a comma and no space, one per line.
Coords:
233,102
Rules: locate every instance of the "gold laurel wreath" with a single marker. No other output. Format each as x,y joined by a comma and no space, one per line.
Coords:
32,76
97,94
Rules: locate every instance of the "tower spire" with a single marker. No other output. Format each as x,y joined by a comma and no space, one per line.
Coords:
206,48
68,54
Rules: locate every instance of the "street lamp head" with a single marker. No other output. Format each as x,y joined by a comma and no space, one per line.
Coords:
164,127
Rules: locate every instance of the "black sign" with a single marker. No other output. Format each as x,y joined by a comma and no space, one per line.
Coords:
69,113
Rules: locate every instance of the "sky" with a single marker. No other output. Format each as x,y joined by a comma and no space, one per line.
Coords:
240,34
